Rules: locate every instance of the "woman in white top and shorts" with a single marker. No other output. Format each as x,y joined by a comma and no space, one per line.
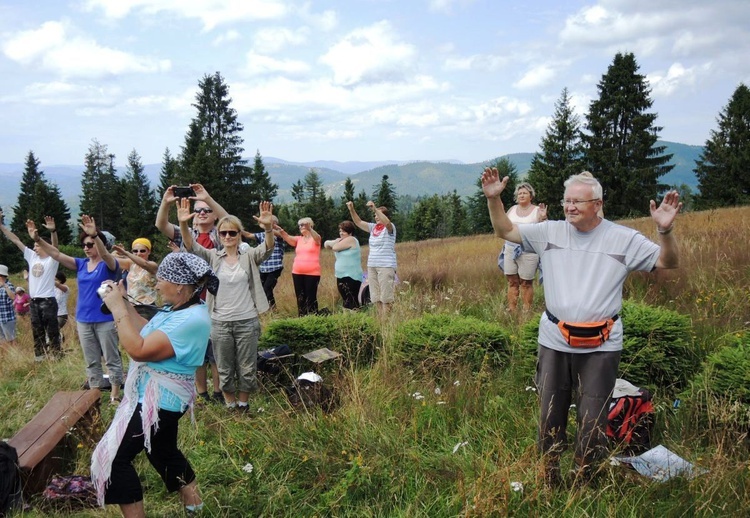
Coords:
520,268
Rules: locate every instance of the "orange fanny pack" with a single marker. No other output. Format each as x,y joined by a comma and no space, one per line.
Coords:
586,335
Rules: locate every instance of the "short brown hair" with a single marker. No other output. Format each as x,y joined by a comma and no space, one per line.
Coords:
347,226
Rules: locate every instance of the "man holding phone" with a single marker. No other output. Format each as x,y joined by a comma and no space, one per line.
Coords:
207,213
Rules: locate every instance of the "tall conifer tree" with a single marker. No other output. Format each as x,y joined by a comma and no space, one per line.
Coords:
38,198
169,172
723,169
212,154
101,190
620,142
560,156
138,202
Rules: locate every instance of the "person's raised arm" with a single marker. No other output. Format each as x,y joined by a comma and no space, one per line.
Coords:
54,253
283,234
162,216
10,235
315,235
130,258
49,224
339,244
4,285
265,220
362,225
60,286
201,194
381,216
155,347
493,187
664,217
88,225
184,216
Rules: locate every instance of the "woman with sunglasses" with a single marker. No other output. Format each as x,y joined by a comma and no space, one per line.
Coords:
306,266
141,271
235,308
96,330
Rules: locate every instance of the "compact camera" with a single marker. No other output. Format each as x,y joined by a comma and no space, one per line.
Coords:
103,289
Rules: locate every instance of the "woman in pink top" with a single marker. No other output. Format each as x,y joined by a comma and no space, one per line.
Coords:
306,267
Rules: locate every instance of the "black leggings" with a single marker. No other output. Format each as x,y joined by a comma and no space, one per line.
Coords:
269,281
306,289
165,457
349,291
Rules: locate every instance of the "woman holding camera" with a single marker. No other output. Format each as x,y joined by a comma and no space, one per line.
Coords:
165,352
96,330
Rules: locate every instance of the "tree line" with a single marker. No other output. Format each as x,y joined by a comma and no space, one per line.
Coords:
616,141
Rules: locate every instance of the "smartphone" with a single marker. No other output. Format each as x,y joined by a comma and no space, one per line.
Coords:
183,192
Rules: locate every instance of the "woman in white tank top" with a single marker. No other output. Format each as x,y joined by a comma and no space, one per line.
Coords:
520,268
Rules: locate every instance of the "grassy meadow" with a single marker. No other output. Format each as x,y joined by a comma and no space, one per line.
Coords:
407,442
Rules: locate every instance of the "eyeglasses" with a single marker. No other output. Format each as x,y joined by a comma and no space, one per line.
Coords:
577,203
87,245
229,233
140,251
204,210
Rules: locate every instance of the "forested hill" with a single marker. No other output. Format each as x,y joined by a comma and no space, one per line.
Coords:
412,178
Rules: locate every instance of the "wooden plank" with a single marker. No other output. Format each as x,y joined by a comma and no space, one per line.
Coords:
40,436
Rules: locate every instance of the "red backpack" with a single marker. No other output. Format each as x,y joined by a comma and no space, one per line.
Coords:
630,422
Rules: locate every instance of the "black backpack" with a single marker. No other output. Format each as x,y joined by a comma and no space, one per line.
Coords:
10,479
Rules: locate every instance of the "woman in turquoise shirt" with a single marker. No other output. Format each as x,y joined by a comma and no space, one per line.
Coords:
348,267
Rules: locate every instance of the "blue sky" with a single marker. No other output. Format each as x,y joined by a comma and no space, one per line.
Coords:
351,80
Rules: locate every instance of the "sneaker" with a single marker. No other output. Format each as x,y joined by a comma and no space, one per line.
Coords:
203,397
216,397
243,409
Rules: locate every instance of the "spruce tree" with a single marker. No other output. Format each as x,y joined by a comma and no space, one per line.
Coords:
168,175
560,157
261,186
38,198
723,169
212,154
349,195
101,190
139,203
620,145
385,196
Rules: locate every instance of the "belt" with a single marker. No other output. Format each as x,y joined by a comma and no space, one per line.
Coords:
39,299
552,318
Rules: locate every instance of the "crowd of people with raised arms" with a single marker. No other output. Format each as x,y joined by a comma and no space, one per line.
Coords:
207,296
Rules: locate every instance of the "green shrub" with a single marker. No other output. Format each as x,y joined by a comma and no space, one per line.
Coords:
721,391
353,334
658,348
438,341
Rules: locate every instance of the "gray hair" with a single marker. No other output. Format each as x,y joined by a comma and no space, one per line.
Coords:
524,185
586,178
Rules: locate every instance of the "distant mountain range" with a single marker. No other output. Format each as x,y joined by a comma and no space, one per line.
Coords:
418,178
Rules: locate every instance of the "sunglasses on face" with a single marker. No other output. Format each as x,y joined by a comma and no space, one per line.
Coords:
228,233
203,210
87,245
140,251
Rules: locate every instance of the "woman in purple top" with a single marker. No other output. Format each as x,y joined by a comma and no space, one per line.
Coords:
96,330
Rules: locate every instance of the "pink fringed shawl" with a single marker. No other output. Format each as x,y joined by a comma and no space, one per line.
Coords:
182,385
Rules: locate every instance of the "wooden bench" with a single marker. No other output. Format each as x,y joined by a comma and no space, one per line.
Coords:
45,445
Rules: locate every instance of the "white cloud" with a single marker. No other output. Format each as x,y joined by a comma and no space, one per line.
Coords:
76,56
226,37
25,46
273,39
538,76
258,64
676,78
480,62
370,54
445,6
211,13
324,22
62,93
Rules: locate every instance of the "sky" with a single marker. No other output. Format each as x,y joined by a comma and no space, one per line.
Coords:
354,80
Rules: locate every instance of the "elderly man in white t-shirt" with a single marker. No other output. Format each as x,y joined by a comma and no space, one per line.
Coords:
585,260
